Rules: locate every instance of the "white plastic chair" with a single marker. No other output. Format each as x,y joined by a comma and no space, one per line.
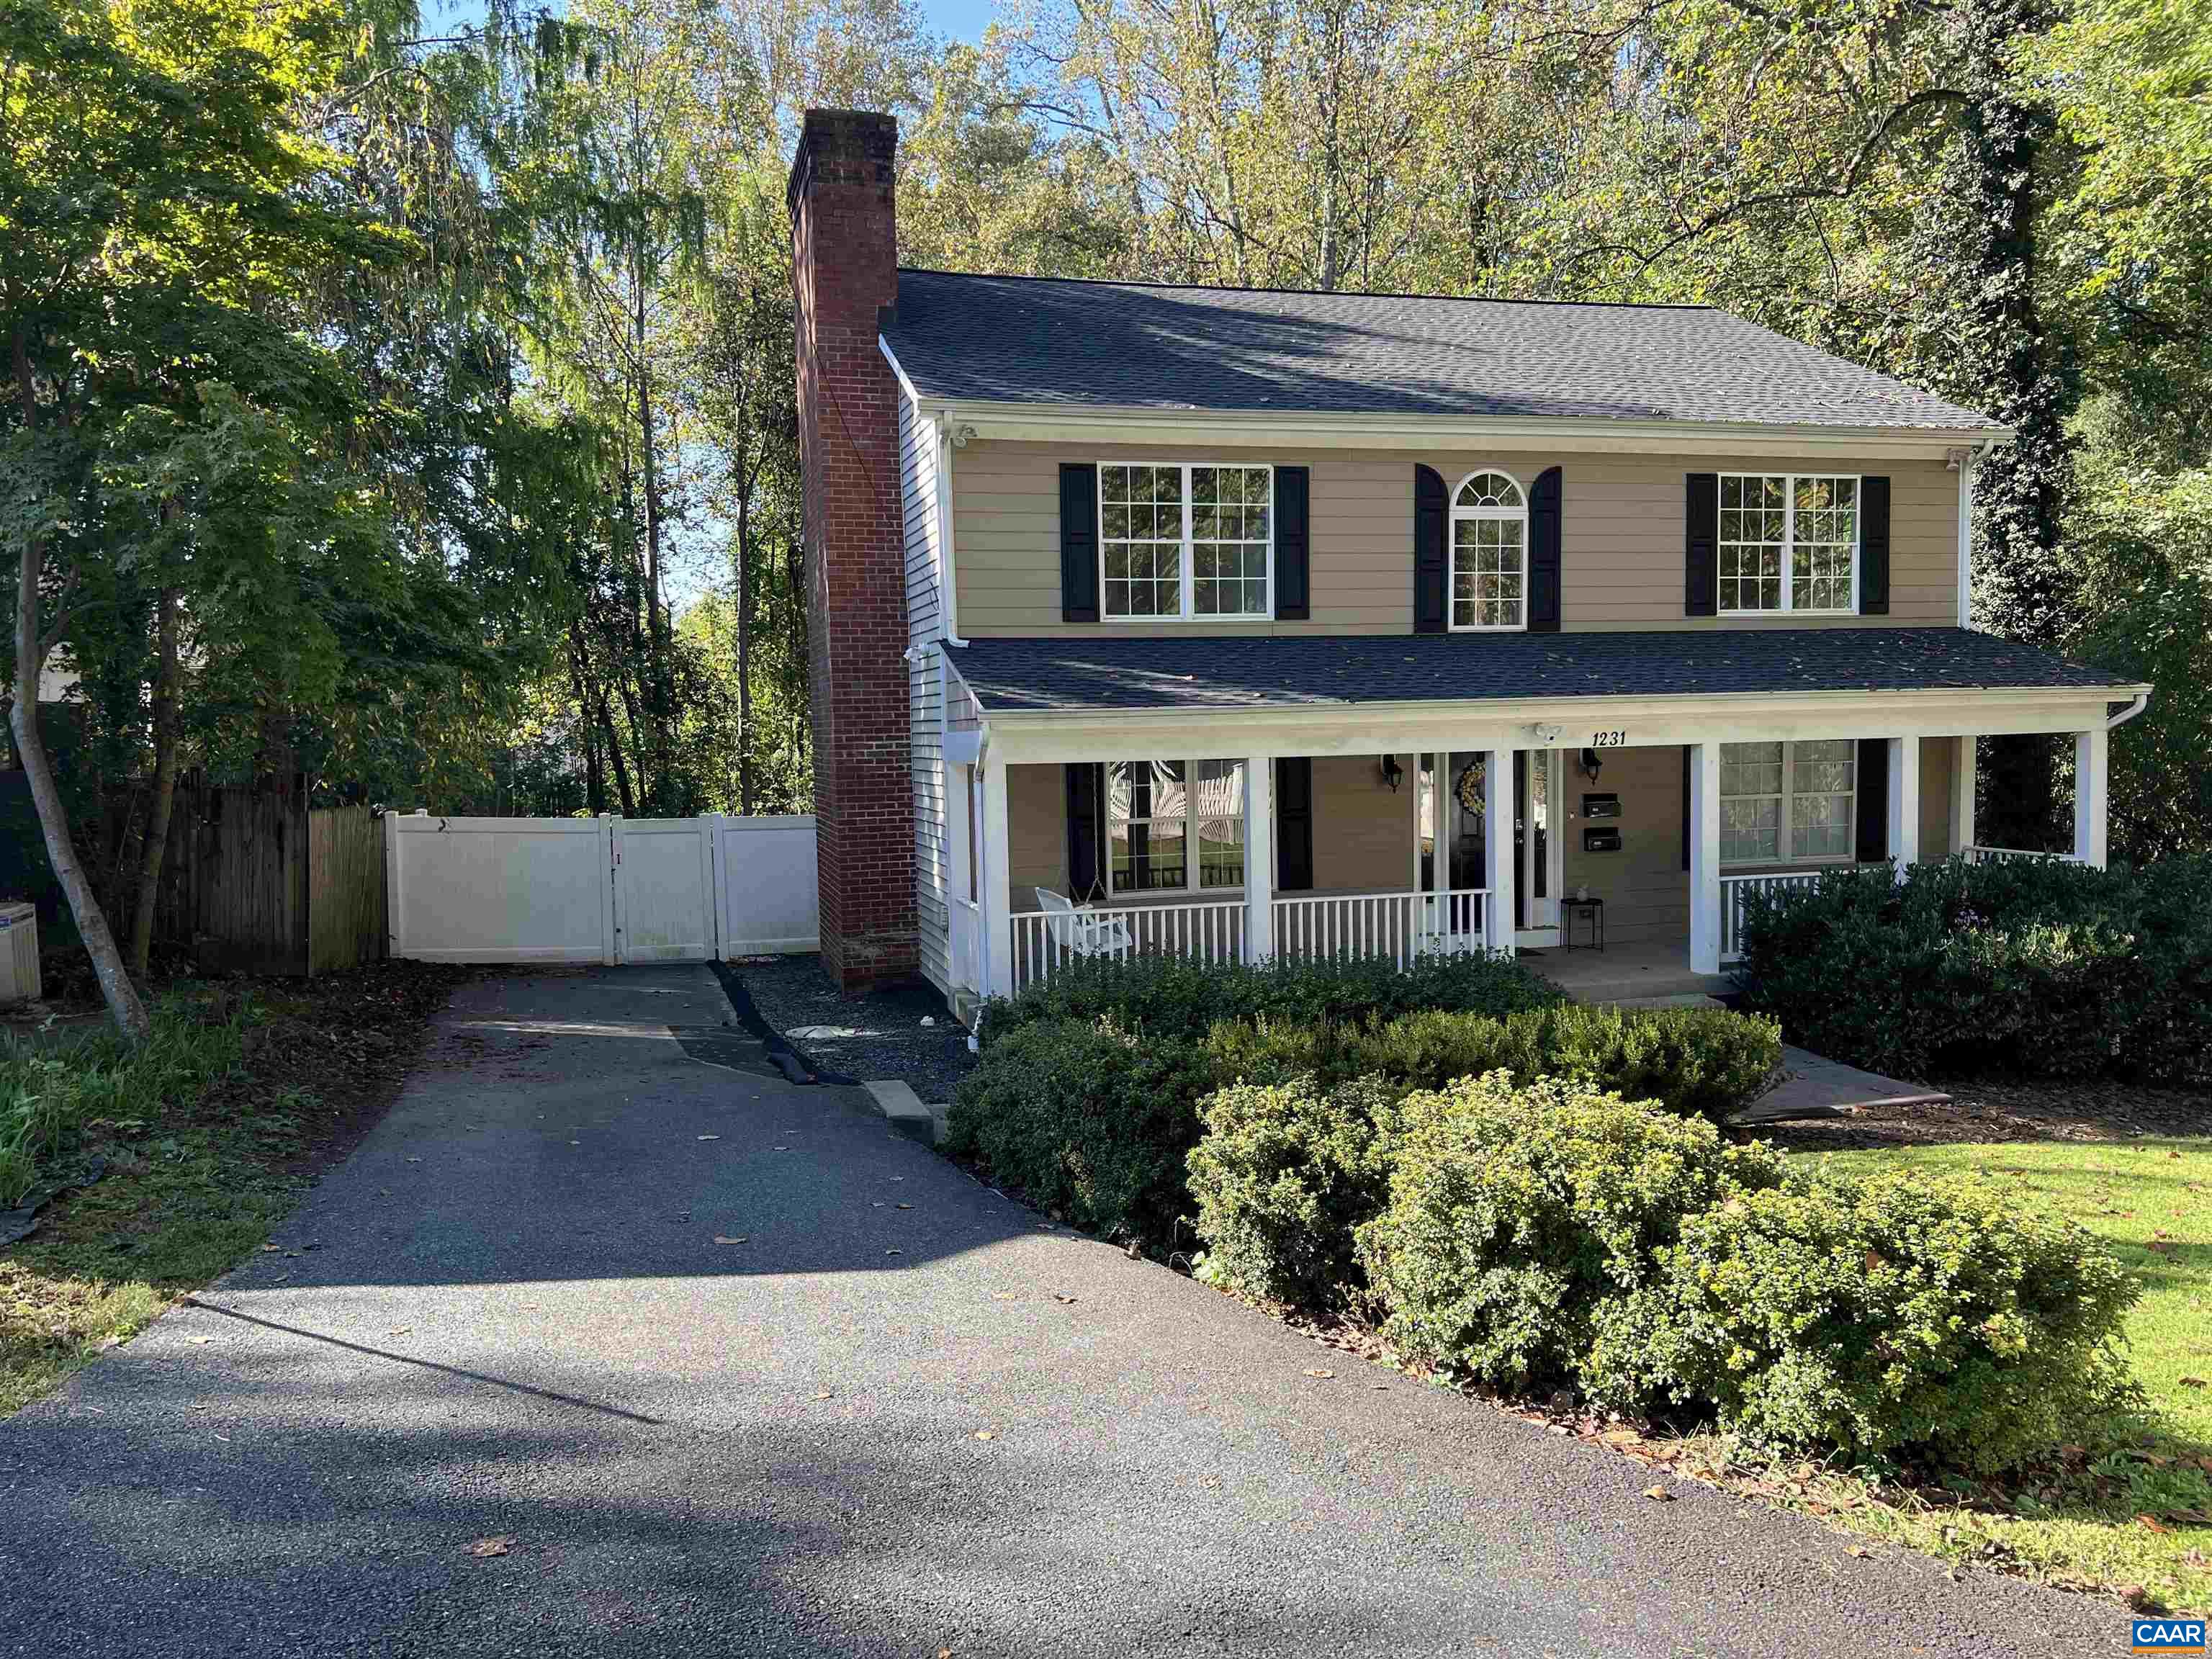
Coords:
1082,930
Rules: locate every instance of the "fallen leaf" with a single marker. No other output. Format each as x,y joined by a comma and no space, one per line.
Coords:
904,1206
894,1252
1659,1494
400,1330
2152,1523
2193,1383
1315,1371
1858,1549
1874,1263
1057,1297
730,1238
417,1160
823,1395
987,1434
202,1341
271,1250
484,1547
2159,1247
710,1137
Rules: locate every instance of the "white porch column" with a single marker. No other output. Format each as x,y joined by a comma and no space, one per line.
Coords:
2089,797
1963,763
1258,858
1704,858
997,886
1903,842
1497,846
1441,818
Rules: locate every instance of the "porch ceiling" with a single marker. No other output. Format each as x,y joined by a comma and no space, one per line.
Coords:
1213,673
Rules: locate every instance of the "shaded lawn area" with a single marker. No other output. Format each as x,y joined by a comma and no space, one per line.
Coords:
2137,1509
196,1177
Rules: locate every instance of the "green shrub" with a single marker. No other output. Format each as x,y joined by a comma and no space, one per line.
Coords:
1283,1176
1703,1063
1175,997
1086,1121
2037,968
1523,1224
1891,1312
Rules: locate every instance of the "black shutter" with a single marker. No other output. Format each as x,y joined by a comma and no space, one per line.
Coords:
1292,543
1086,831
1079,542
1874,547
1431,531
1685,805
1294,824
1701,535
1521,828
1544,553
1874,800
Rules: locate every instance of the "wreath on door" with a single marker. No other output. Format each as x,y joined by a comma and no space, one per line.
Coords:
1469,788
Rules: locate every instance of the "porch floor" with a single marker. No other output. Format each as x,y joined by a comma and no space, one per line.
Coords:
1648,969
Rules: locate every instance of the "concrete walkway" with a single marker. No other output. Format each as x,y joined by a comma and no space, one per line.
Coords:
899,1417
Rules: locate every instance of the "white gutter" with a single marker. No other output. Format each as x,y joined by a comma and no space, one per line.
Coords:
949,437
1328,431
2141,701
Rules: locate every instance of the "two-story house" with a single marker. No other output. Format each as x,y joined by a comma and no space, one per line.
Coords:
1275,622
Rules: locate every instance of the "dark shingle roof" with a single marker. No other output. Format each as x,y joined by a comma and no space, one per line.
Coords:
1033,340
1255,671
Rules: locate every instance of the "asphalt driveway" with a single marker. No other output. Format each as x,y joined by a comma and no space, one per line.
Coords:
898,1417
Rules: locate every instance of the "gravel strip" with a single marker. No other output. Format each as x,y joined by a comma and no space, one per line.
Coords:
1991,1111
864,1038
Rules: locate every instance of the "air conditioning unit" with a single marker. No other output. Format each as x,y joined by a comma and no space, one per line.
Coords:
19,953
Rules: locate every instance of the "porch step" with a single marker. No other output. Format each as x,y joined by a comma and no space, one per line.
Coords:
1679,1000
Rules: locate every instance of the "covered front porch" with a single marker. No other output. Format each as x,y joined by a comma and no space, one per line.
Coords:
1505,825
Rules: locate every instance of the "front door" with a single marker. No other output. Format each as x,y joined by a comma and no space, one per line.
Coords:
1539,812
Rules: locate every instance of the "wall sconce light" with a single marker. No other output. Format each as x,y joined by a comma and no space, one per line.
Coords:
1591,765
1393,774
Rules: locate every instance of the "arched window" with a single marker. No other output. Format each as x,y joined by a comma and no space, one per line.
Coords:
1490,554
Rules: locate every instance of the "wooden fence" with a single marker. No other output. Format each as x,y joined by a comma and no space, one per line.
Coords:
255,881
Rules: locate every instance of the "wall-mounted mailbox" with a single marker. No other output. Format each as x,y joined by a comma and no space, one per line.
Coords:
1601,840
1601,806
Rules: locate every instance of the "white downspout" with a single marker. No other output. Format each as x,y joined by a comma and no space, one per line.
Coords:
948,438
2141,702
1966,460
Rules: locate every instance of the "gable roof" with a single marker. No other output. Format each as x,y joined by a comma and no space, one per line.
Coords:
1190,673
1136,345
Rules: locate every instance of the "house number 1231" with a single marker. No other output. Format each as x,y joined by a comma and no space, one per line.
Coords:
1617,739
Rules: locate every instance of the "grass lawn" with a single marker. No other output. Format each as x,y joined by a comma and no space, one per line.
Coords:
202,1159
2136,1509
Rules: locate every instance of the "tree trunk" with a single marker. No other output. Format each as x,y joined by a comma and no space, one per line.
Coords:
123,1004
660,689
615,757
745,649
165,782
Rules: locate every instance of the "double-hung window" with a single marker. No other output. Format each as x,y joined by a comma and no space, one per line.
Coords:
1186,540
1788,802
1175,825
1788,542
1490,554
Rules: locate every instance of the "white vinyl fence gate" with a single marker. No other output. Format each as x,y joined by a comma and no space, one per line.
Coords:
606,890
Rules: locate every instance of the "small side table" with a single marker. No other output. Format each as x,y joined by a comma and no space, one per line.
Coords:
1592,908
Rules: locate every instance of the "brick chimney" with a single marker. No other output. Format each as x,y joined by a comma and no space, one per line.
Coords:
845,274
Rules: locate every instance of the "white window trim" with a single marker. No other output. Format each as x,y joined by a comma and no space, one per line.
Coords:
1188,613
1785,825
1790,481
1191,818
1451,550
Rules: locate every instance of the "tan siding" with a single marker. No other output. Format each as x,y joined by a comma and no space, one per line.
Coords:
1935,755
1645,889
1621,556
1363,828
1037,831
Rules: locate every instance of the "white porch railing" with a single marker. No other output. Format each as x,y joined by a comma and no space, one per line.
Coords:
1397,926
1733,889
1208,931
2015,855
967,943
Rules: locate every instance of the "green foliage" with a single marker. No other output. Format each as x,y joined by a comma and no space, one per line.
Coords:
1174,997
1283,1176
2037,968
1890,1313
1086,1121
1524,1226
48,1093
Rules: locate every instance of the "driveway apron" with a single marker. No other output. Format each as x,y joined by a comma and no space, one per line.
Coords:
597,1347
